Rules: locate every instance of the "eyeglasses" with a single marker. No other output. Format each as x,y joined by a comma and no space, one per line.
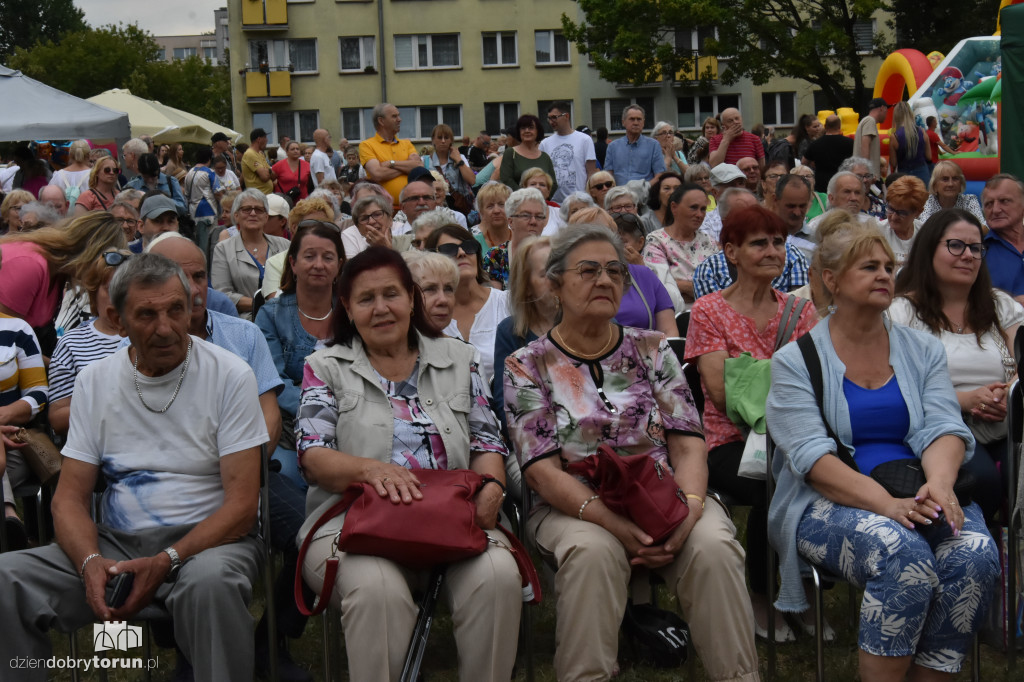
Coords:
555,117
418,198
603,185
128,222
535,217
889,210
956,248
376,216
470,247
622,208
776,176
315,223
114,170
252,210
865,176
115,258
663,133
589,270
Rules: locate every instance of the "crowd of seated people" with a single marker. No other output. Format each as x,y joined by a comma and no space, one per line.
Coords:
314,321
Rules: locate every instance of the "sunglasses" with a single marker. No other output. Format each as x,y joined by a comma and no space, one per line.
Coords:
115,258
603,185
111,171
254,210
470,247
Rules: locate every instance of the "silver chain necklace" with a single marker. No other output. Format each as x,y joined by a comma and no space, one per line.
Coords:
316,319
181,379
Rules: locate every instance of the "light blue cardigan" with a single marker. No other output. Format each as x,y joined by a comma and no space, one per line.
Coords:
794,421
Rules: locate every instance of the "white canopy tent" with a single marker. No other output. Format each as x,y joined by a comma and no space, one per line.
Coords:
30,110
163,123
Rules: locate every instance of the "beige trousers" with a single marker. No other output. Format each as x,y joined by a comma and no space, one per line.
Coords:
591,586
378,613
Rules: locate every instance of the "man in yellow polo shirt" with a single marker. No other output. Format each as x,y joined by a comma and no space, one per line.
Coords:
256,170
387,159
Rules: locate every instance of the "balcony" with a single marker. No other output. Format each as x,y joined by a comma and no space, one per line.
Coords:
264,15
265,85
702,66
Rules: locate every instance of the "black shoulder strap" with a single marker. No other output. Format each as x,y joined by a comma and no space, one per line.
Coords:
813,362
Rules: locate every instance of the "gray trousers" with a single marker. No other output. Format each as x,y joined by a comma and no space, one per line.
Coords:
209,602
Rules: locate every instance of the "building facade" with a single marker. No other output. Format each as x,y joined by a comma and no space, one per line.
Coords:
473,64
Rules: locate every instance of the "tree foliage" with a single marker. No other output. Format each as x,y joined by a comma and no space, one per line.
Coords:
23,23
87,62
943,23
813,40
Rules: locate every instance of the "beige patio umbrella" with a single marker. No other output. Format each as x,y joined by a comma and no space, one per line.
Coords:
163,123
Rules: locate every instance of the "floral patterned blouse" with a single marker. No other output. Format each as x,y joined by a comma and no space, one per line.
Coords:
495,262
557,403
715,325
682,258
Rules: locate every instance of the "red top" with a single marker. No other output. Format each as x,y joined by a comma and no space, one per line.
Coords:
286,179
25,286
747,144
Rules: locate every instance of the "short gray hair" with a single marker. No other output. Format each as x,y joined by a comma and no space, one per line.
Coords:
730,195
430,261
251,194
563,243
147,269
135,146
328,196
432,219
842,174
373,200
616,192
378,112
634,107
520,197
854,161
695,169
574,198
661,125
126,204
129,195
641,190
44,213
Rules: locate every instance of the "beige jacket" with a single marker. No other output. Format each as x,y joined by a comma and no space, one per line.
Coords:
233,272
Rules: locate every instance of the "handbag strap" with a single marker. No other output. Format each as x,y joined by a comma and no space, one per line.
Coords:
333,561
791,313
813,362
643,299
528,572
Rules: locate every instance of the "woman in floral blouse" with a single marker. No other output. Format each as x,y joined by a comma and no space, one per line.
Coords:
588,382
681,245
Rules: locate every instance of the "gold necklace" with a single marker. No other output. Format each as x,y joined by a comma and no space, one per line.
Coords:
607,344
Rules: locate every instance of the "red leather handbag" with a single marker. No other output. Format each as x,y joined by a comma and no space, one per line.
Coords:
638,487
438,529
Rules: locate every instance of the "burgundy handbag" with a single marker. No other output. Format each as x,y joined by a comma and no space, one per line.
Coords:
638,487
438,529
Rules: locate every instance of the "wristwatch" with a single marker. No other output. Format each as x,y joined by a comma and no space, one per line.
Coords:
391,163
172,574
460,164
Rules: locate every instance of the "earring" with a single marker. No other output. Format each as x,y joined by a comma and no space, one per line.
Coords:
831,308
558,302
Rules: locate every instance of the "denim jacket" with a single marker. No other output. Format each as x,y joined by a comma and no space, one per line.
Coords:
165,183
290,345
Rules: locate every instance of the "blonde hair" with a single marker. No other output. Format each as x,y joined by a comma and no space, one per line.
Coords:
842,241
71,248
945,167
94,174
492,191
421,262
79,150
592,215
15,195
903,117
522,303
307,206
531,173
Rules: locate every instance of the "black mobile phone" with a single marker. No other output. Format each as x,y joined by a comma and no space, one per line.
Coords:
118,589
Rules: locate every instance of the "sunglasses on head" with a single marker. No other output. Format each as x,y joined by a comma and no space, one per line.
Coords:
470,247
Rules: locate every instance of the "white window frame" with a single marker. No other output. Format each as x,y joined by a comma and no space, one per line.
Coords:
272,59
414,40
367,53
874,32
503,123
616,126
499,37
778,109
366,130
716,108
272,131
412,122
552,35
189,51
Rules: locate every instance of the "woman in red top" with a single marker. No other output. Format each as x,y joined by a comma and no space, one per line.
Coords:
102,187
292,171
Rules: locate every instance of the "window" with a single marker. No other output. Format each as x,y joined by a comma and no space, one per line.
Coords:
184,52
864,35
357,124
500,49
500,115
210,54
552,47
419,122
286,123
692,110
278,55
693,40
161,55
608,112
429,51
357,53
778,108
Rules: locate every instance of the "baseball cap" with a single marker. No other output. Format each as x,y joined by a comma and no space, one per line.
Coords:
877,102
157,206
584,129
724,173
421,174
219,137
277,205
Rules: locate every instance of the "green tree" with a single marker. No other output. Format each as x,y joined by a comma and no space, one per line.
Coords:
813,40
943,23
27,22
192,85
85,63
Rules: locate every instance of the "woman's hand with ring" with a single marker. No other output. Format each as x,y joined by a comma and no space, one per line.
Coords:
391,480
908,512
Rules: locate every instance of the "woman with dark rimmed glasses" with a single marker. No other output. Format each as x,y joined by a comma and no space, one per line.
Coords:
944,289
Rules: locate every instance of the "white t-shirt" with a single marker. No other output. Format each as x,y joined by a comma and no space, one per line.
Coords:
569,154
353,241
65,178
484,329
229,181
164,469
321,163
900,247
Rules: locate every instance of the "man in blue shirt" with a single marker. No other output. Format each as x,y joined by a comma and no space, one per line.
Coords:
1002,202
634,157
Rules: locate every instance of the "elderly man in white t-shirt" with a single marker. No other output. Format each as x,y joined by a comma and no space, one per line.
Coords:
174,426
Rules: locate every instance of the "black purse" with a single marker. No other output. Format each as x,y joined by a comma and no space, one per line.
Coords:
899,477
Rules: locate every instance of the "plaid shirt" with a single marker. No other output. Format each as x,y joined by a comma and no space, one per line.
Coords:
713,274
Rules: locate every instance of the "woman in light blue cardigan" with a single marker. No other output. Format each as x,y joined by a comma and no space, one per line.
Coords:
887,395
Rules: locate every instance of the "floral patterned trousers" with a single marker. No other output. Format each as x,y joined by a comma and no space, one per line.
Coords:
925,591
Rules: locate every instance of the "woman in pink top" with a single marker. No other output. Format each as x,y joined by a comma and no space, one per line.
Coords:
36,266
292,172
745,316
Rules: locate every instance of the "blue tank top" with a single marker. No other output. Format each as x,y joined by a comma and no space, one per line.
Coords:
880,421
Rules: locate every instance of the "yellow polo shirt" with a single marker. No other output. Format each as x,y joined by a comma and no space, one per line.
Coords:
378,148
251,160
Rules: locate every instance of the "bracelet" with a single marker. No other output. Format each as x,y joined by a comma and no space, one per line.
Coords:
492,479
85,562
696,497
584,505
